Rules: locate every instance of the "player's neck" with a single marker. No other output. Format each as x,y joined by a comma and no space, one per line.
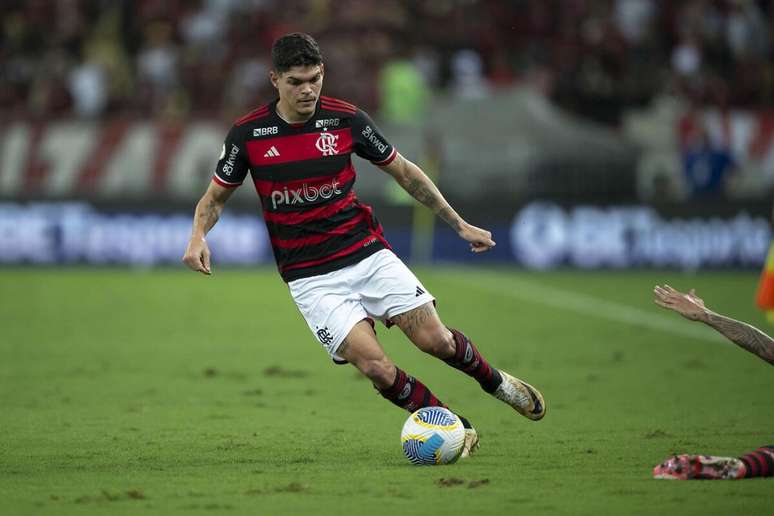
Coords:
291,116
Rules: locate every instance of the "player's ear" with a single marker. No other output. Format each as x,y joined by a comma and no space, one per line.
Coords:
274,78
322,75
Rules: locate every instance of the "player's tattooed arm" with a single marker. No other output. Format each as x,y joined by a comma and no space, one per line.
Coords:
208,210
418,185
207,214
692,307
743,335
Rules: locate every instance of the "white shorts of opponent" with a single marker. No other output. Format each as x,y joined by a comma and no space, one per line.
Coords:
378,287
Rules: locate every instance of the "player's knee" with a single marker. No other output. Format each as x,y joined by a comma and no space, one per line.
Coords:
437,341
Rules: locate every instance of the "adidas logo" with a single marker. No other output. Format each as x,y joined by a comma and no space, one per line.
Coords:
272,153
419,291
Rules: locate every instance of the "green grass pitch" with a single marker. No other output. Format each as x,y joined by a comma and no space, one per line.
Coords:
167,392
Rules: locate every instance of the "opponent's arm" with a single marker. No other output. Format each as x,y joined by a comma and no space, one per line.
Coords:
208,210
415,182
692,307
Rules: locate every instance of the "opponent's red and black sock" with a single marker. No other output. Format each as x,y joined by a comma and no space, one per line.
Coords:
468,360
409,393
759,463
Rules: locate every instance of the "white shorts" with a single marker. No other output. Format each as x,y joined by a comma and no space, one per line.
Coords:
378,287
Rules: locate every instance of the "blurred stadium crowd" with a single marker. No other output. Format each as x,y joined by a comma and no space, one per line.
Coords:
91,58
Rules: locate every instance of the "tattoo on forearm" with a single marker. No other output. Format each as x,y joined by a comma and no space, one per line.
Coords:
451,218
411,321
432,198
209,214
744,335
420,191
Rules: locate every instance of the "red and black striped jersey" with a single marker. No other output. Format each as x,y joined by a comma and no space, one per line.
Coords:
304,177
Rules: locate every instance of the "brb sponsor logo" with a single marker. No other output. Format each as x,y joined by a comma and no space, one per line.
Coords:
370,136
263,131
326,143
228,166
327,122
304,194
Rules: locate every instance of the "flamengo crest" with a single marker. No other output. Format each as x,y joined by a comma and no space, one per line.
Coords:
326,144
324,336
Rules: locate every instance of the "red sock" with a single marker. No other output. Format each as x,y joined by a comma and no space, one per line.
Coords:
468,360
409,393
759,463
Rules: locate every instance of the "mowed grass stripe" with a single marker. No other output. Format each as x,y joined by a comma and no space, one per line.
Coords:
533,291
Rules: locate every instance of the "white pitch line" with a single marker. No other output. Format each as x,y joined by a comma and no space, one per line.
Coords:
535,292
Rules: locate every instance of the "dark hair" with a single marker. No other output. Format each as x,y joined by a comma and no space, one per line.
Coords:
295,49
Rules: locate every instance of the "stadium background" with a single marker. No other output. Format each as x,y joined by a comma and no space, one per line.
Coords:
621,142
115,113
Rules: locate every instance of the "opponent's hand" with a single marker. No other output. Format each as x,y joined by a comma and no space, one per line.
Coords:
197,256
688,305
480,239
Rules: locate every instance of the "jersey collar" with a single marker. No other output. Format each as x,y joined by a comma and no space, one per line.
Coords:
299,125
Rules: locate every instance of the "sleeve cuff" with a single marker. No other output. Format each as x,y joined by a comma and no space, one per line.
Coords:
223,183
387,161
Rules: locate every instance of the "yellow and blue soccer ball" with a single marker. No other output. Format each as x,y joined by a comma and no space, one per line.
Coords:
433,435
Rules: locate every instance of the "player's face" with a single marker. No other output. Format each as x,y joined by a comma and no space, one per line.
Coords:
299,88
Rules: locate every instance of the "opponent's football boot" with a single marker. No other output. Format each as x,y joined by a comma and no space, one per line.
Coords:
524,398
699,467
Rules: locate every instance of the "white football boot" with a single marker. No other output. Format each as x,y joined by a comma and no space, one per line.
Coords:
524,398
471,443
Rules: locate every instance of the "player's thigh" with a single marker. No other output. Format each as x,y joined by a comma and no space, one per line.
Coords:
425,329
329,308
387,287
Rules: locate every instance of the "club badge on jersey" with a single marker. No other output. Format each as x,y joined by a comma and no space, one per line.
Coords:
326,143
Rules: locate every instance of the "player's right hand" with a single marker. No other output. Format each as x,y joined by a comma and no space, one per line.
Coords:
197,255
688,305
480,239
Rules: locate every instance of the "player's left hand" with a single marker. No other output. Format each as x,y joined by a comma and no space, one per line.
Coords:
480,239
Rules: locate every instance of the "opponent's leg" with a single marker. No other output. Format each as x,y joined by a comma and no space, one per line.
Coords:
361,349
699,467
758,463
425,329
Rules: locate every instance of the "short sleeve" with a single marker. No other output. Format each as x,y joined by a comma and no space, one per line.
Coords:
368,141
232,167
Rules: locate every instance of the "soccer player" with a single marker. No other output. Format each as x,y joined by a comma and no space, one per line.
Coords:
329,247
759,463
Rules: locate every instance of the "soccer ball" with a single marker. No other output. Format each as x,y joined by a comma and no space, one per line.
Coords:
433,435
